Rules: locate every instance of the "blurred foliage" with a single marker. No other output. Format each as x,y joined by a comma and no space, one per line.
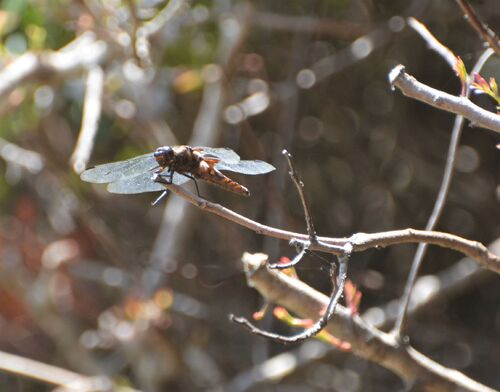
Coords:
73,257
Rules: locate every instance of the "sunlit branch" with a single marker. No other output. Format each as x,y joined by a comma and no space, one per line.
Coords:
92,106
483,30
294,175
320,324
366,341
445,183
432,42
412,88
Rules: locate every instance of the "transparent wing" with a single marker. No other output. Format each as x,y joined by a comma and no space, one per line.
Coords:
142,183
246,167
110,172
224,154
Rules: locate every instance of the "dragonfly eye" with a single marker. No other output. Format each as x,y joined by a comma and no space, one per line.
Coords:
164,155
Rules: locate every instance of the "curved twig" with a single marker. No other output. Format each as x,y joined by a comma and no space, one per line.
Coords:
321,323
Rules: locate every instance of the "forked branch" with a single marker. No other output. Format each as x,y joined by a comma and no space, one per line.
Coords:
338,281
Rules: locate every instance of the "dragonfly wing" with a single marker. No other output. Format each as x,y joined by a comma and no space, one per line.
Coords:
142,183
224,154
115,171
246,167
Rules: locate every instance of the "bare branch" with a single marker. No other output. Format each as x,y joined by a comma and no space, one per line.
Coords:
473,249
54,375
294,175
311,231
441,197
412,88
298,257
92,106
482,29
84,51
432,42
359,241
367,342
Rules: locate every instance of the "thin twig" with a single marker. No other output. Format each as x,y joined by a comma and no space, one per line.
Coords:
482,29
440,201
320,324
299,184
412,88
311,231
432,42
92,107
359,241
298,257
337,287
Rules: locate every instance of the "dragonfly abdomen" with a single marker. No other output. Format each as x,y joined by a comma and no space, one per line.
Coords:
219,179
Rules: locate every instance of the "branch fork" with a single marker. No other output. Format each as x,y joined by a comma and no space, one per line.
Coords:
303,246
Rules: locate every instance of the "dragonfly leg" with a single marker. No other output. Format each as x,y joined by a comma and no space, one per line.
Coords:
168,178
195,182
158,199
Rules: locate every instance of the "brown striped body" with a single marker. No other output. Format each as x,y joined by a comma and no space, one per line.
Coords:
211,174
191,161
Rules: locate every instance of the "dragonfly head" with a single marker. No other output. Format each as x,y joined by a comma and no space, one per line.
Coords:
164,156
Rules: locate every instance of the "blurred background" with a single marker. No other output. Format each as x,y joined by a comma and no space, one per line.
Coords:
107,284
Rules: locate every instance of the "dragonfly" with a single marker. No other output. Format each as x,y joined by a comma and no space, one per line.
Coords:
175,165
